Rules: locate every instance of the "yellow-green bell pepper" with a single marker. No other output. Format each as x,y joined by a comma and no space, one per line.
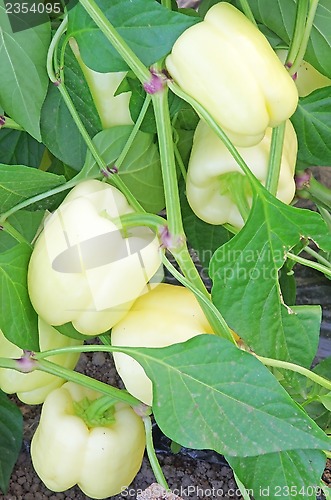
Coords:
112,109
167,315
228,66
67,449
82,269
215,183
33,387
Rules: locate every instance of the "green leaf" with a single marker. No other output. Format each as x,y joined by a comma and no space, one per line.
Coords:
147,27
325,399
326,491
205,5
18,182
140,170
59,131
312,123
287,284
203,238
15,301
137,99
26,223
184,142
207,393
287,474
245,278
279,16
316,409
11,437
24,79
69,330
19,148
319,414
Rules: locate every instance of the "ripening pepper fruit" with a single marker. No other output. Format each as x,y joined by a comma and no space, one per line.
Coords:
167,315
33,387
216,185
102,455
228,66
307,78
82,269
112,109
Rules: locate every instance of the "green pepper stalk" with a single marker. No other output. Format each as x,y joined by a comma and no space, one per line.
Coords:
309,188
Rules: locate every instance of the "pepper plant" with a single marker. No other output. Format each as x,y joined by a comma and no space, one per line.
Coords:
96,195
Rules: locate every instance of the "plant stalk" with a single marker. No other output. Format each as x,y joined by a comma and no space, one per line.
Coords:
277,363
275,158
116,40
159,476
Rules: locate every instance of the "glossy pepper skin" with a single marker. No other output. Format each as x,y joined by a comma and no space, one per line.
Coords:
82,270
229,67
65,450
33,387
167,315
113,109
209,190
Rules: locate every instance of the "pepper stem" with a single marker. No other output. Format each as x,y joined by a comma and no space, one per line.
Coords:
275,158
159,476
309,187
98,412
277,363
116,40
236,188
84,380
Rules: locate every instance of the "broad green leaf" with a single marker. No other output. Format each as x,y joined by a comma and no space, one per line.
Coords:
316,408
207,393
59,131
26,223
322,416
302,324
184,142
203,238
137,99
287,474
69,330
288,284
18,182
312,123
205,5
279,16
325,399
246,289
327,492
140,170
18,319
24,79
147,27
19,148
11,437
